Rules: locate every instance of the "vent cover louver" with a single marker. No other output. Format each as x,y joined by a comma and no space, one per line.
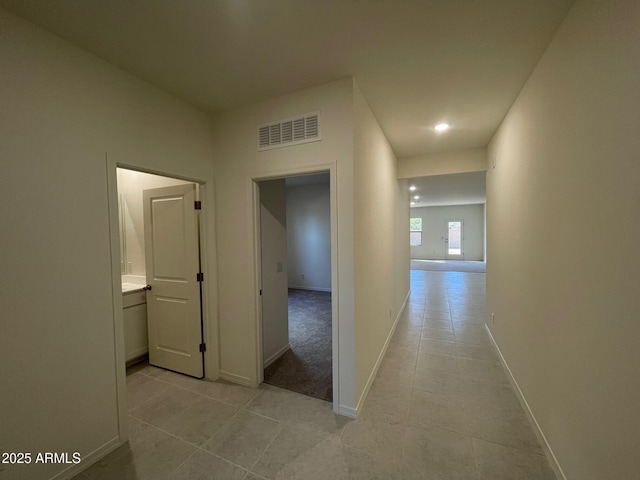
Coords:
292,131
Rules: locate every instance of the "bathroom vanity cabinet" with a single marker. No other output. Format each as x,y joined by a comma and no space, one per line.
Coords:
135,324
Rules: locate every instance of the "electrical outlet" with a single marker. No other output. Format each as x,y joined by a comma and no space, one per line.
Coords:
493,318
278,267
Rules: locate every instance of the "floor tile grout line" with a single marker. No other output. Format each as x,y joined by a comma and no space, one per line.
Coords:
196,392
271,442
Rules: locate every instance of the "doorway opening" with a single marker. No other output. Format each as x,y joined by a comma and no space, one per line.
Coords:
161,274
454,240
295,250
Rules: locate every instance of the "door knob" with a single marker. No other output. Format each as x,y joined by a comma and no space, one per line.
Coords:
148,287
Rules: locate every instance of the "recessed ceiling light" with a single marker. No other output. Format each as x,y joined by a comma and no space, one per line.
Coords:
416,197
441,127
412,188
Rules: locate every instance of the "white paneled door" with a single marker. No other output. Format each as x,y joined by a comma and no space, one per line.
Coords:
172,268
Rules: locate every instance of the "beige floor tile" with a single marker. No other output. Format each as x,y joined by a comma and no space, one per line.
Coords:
138,430
402,354
488,370
361,465
433,410
253,476
440,324
405,340
466,317
480,352
141,388
437,382
290,446
298,410
497,462
428,345
228,392
200,421
206,466
378,439
437,361
153,459
335,461
387,403
395,373
501,421
432,453
243,439
471,333
437,333
163,407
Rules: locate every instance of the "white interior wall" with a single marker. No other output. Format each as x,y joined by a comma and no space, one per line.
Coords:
273,253
309,237
130,186
62,110
562,209
380,286
434,231
442,163
238,161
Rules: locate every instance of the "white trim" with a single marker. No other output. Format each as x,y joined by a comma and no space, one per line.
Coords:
347,411
88,460
116,299
257,279
277,355
253,195
374,372
239,379
313,289
553,461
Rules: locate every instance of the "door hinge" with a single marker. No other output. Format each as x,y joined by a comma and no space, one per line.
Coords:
197,205
203,347
260,291
200,277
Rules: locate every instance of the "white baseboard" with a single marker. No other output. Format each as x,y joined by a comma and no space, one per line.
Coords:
276,355
347,411
374,372
553,461
88,460
239,379
314,289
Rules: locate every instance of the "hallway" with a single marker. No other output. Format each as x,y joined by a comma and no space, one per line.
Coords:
441,407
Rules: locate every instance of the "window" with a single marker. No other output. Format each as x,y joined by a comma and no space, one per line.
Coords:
415,232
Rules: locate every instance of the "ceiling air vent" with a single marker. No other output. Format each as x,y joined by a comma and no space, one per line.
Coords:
292,131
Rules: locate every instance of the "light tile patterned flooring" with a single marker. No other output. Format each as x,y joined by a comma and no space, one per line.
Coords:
441,408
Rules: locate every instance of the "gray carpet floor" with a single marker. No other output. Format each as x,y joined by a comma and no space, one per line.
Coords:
306,368
449,266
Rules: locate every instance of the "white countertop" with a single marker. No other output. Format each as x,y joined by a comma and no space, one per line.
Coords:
131,287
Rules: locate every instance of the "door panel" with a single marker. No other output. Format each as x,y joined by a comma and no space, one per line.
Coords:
172,263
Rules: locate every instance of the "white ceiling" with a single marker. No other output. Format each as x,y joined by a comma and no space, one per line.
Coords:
455,189
417,62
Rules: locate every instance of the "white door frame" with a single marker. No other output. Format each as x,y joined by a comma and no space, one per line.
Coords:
211,356
335,323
